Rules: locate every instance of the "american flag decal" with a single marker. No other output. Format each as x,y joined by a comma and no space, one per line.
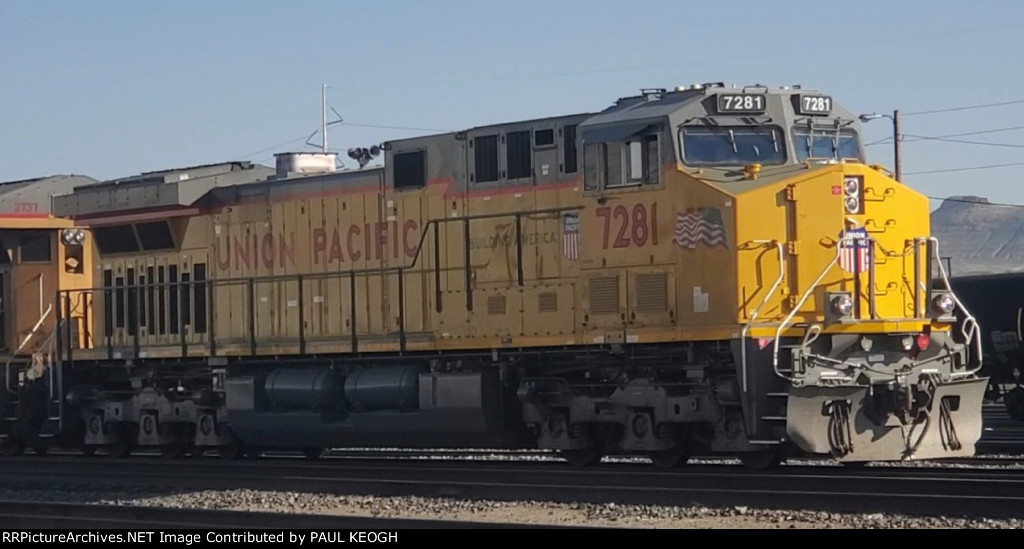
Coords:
700,226
853,249
571,235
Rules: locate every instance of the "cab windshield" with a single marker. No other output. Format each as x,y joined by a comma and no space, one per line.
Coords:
825,144
732,146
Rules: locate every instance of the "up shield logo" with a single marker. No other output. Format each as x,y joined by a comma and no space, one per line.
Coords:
854,250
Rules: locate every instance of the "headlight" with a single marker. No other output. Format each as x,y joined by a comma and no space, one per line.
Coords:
944,303
853,190
851,186
907,342
842,304
70,237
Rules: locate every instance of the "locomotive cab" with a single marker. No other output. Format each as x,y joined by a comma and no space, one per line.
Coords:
38,259
40,256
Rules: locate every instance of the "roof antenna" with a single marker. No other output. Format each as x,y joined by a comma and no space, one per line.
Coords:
323,117
324,124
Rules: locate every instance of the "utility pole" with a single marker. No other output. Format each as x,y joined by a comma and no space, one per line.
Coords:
896,138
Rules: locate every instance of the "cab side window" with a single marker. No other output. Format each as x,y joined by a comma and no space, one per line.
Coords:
629,162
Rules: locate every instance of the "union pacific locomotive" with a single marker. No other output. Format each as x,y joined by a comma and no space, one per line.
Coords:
698,270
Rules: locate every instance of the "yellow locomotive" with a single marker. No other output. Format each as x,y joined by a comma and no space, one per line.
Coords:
706,269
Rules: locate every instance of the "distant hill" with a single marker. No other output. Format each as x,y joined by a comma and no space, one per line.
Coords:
979,237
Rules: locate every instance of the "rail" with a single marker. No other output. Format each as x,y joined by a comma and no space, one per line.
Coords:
757,311
132,296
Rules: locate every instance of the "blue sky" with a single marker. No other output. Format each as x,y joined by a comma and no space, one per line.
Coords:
110,88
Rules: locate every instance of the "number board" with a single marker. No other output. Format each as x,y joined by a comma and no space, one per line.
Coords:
741,103
814,104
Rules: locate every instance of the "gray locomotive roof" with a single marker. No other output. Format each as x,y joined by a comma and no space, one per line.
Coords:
32,196
642,107
175,175
531,121
158,189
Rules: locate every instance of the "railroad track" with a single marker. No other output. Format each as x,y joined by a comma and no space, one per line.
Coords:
965,492
1000,433
20,514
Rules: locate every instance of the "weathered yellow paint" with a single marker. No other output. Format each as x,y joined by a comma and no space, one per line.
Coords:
633,283
29,287
806,215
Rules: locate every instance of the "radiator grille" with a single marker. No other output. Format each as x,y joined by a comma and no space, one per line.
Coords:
604,295
496,305
547,302
651,292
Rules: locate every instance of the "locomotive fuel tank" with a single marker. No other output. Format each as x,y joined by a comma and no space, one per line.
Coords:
388,405
304,388
385,388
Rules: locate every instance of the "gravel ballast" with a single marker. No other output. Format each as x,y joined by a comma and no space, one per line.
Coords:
600,515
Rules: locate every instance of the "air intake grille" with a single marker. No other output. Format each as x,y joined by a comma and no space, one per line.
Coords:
547,302
651,293
496,305
604,295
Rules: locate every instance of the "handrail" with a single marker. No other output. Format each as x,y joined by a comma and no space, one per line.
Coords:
41,300
332,274
969,329
757,311
7,366
400,270
800,303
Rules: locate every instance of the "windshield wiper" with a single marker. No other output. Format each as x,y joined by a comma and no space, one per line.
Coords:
732,141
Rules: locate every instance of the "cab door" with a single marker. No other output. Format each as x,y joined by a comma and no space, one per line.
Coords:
625,256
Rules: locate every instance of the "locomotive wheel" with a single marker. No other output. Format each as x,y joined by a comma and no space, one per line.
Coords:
234,450
670,459
12,447
586,457
119,449
314,453
89,449
41,448
1014,403
760,460
175,450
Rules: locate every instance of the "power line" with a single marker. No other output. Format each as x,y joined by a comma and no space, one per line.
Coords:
689,63
965,169
965,142
980,132
888,139
404,128
297,139
964,108
279,145
979,202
